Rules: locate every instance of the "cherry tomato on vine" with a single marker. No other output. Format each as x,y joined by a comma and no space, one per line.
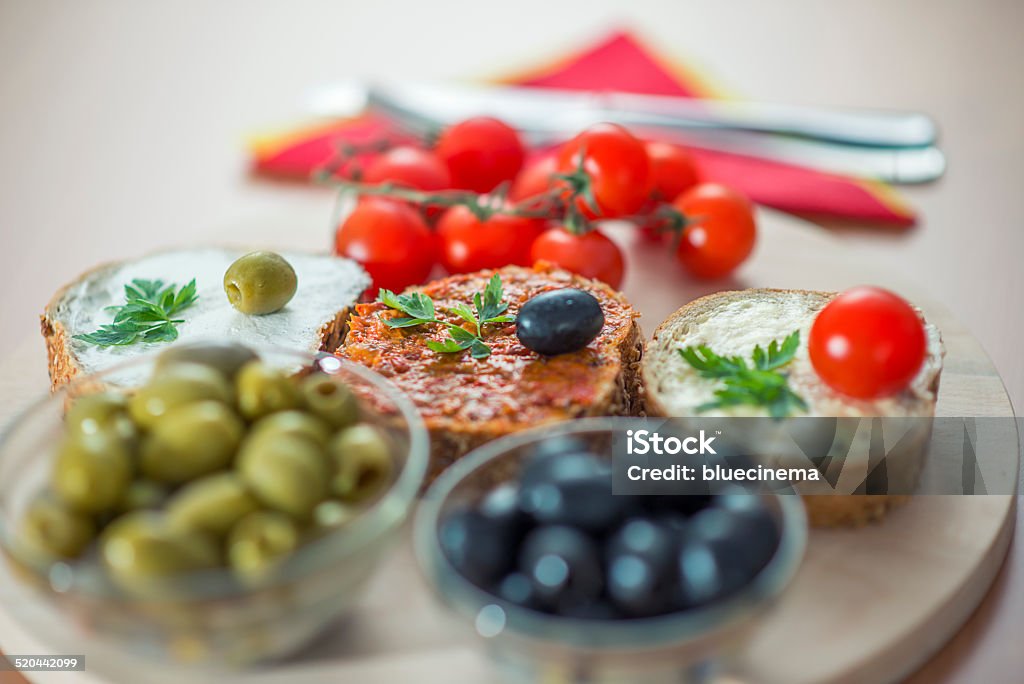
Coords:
867,343
390,240
469,244
536,178
617,166
591,255
673,170
481,153
409,167
720,231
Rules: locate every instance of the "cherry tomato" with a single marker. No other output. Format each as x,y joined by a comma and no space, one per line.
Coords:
481,153
409,167
673,170
591,255
618,167
390,240
867,343
720,233
535,178
469,244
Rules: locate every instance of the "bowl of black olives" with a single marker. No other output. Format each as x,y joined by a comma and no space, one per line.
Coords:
562,579
224,509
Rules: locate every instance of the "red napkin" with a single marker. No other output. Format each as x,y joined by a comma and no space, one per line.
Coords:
620,62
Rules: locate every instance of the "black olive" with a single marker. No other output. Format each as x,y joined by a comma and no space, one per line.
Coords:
559,321
546,467
654,541
641,558
585,502
564,567
635,587
723,551
481,548
501,506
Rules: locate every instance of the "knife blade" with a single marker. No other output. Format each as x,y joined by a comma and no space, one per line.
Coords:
547,108
889,146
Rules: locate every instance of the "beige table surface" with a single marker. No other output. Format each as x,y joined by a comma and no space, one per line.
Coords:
121,130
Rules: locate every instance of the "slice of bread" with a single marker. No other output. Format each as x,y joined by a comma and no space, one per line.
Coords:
733,323
313,320
466,402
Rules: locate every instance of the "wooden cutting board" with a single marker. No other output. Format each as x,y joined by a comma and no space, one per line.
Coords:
867,605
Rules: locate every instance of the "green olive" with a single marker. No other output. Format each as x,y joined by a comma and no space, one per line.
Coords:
211,504
286,473
330,515
92,472
260,283
50,531
224,357
102,412
362,463
142,547
259,542
330,399
263,390
173,386
191,441
143,495
296,423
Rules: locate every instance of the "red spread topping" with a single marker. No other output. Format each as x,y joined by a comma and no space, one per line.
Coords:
513,384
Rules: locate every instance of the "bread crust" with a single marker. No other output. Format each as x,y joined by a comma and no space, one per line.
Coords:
822,510
62,365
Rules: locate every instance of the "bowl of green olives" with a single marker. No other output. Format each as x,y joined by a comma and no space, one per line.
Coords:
525,542
225,512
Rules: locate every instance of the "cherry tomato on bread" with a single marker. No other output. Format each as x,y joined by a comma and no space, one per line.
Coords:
720,231
592,254
391,241
867,343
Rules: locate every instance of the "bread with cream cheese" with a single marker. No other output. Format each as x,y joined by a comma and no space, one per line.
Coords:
733,323
313,320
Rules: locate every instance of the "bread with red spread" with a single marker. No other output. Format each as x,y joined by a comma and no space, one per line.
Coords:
466,402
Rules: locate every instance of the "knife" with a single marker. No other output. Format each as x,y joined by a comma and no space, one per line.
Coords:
890,146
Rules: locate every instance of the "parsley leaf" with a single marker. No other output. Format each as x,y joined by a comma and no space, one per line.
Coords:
491,307
418,308
448,346
758,385
148,314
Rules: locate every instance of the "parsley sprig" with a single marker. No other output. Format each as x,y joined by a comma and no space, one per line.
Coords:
758,384
148,314
419,310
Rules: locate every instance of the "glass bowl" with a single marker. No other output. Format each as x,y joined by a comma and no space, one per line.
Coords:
208,618
528,646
